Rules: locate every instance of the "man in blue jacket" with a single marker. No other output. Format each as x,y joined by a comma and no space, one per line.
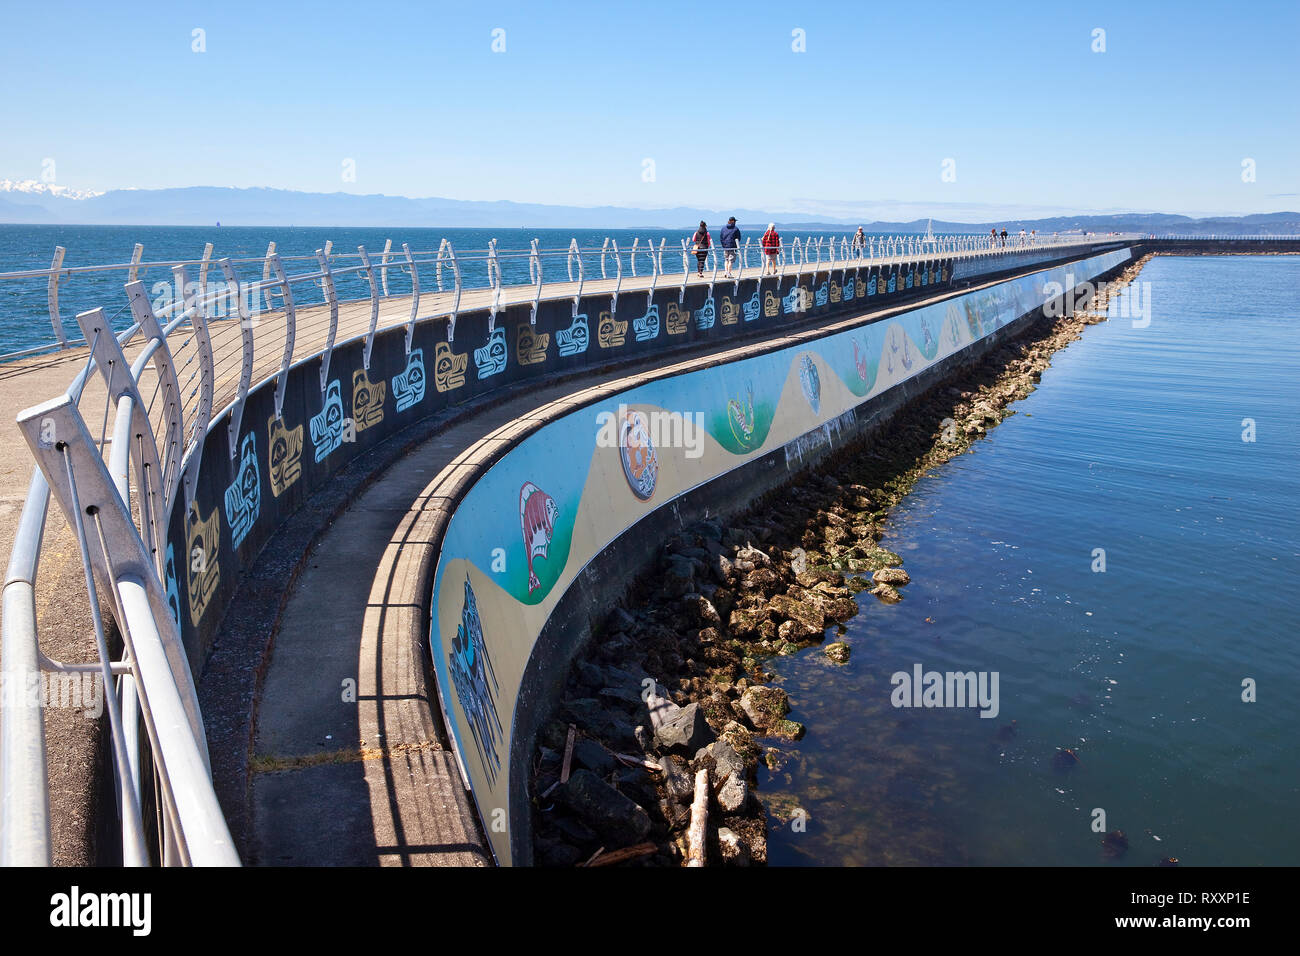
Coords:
730,241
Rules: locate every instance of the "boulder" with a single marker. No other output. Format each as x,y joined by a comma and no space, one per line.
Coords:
684,730
604,809
807,614
764,705
726,774
593,756
887,593
838,652
893,576
678,575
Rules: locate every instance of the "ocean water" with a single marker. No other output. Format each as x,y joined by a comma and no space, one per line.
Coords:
24,304
1133,443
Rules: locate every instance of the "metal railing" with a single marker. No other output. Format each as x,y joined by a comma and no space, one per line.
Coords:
42,294
116,490
160,371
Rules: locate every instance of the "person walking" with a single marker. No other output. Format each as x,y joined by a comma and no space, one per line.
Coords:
771,246
1004,237
700,245
993,235
859,242
730,244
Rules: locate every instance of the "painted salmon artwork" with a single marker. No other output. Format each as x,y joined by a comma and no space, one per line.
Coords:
537,514
860,362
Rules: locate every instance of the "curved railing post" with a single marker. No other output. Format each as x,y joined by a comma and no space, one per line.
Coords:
383,265
331,300
267,271
246,355
636,241
53,295
290,331
374,305
137,254
414,272
534,277
169,393
575,254
618,279
192,457
494,281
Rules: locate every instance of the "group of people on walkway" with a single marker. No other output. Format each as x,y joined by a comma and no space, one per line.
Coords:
729,238
1025,238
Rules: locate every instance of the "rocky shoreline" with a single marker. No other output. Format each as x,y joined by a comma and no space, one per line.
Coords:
675,683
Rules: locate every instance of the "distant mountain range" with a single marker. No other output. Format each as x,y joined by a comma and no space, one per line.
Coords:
31,202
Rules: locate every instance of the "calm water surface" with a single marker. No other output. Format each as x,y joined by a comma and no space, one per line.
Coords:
1132,444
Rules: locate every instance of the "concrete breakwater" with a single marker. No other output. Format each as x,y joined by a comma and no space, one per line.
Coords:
728,594
519,589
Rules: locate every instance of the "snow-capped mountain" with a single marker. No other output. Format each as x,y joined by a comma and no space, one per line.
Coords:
45,189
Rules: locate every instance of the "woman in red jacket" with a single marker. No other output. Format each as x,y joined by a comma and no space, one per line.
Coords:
700,245
771,246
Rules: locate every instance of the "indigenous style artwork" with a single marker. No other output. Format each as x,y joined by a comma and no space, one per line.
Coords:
476,685
448,368
244,494
573,340
491,358
327,426
611,334
408,384
537,514
367,400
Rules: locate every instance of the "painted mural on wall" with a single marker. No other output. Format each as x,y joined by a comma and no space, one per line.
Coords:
584,478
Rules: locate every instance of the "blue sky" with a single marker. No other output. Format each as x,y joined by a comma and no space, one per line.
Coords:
1033,119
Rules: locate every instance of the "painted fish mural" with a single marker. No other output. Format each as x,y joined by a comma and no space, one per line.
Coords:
173,591
574,339
705,315
741,416
490,359
610,333
327,425
647,327
677,320
284,455
408,385
752,307
448,367
537,514
244,494
367,400
810,382
476,685
203,572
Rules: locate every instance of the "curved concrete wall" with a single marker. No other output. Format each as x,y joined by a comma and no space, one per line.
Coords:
247,488
532,524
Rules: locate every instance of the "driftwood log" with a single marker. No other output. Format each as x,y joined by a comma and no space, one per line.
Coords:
697,835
